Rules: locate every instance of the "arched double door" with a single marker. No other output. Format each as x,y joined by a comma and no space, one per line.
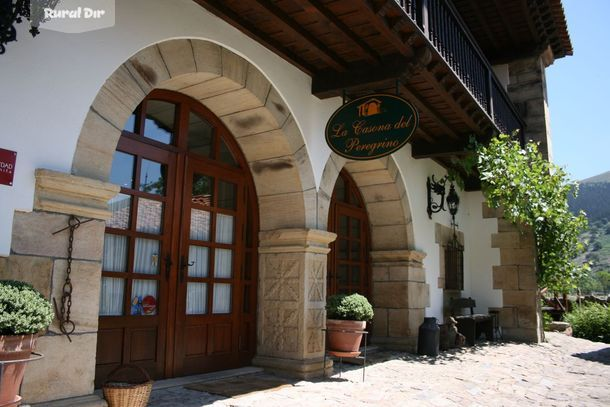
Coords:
348,261
178,288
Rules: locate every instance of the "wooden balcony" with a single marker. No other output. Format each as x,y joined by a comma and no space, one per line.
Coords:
421,49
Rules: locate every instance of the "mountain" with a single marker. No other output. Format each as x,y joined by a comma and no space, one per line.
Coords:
605,177
593,198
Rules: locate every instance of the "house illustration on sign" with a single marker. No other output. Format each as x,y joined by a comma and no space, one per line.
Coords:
369,108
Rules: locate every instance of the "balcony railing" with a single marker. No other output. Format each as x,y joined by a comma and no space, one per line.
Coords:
441,24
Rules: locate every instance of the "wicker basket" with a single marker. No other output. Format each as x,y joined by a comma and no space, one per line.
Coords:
129,393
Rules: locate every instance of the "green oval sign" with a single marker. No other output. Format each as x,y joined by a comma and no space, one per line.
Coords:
372,126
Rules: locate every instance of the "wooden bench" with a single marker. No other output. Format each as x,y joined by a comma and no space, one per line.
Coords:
473,325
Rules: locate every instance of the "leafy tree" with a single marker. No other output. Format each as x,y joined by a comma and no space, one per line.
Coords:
534,192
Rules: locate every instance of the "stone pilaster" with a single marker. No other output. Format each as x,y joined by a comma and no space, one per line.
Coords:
527,90
400,296
38,257
292,300
520,315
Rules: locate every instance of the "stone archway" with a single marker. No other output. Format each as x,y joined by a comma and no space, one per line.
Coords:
233,89
399,292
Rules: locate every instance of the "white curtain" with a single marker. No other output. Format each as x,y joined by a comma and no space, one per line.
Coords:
146,256
196,298
223,263
222,299
224,228
198,257
200,225
115,253
111,296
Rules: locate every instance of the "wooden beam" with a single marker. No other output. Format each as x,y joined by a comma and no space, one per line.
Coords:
330,83
423,106
365,49
507,25
377,18
222,11
440,148
322,50
434,82
483,22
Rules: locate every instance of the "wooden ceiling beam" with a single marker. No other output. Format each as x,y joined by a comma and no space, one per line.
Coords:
456,107
440,149
317,7
329,83
377,17
483,22
218,8
507,25
424,107
283,19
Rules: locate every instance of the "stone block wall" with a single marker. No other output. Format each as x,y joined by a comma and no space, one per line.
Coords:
520,315
527,90
39,258
400,296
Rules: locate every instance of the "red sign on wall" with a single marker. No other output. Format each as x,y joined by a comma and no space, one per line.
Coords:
7,166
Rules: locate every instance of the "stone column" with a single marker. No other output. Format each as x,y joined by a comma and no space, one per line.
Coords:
520,315
400,296
39,257
292,300
527,90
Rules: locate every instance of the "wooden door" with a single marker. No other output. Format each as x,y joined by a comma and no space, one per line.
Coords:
136,270
179,270
348,264
209,282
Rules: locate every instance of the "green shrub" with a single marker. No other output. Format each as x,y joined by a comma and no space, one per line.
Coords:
590,321
23,310
354,307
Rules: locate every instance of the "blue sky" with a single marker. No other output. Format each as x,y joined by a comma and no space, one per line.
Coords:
579,92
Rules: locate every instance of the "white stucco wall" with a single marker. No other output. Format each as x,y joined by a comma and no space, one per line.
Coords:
479,257
49,82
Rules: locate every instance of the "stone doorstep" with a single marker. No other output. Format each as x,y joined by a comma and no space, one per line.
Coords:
371,349
97,399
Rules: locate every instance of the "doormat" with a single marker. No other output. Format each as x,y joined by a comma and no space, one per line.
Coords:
241,386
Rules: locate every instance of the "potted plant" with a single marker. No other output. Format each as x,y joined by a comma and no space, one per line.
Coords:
347,316
23,313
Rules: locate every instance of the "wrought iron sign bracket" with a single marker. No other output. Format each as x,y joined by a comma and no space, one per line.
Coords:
438,187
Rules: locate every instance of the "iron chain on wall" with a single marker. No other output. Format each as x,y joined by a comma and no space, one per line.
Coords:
66,325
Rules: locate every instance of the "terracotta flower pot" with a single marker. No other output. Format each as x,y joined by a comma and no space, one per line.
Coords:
340,336
13,347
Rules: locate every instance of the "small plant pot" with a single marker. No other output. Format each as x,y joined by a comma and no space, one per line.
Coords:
342,335
17,348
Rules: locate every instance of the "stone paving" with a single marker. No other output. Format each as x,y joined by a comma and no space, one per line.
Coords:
565,371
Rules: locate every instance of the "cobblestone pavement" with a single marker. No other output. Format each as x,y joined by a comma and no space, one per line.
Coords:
564,371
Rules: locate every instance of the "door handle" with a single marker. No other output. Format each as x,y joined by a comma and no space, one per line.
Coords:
184,265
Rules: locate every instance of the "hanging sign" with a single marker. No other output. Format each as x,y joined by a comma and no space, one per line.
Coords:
372,126
7,166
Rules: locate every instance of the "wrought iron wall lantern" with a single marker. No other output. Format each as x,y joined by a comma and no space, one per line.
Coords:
438,188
